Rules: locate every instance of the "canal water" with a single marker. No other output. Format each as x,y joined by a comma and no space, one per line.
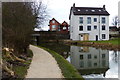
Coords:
90,62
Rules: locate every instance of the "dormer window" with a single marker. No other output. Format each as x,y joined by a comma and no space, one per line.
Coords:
53,21
93,10
99,10
78,9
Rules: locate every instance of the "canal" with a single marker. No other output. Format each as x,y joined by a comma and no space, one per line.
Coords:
90,62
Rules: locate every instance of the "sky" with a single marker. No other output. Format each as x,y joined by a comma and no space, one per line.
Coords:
60,9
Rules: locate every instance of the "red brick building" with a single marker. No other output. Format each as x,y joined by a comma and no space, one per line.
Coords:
54,25
64,27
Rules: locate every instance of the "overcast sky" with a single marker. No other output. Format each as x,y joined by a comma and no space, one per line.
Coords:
60,9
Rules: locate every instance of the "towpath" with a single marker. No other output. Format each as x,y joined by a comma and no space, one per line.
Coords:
43,65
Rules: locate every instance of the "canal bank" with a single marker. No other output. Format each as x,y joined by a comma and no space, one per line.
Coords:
109,45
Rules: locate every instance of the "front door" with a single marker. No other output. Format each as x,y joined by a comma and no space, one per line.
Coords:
96,37
86,37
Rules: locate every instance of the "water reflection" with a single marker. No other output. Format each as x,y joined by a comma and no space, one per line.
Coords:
94,63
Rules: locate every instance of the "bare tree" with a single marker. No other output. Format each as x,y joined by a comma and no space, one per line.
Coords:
115,21
40,11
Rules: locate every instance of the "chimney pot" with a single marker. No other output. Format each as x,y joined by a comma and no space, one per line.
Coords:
74,5
104,7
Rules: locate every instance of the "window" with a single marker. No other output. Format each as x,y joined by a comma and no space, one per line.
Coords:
89,28
78,9
81,28
103,63
103,56
81,20
103,36
89,64
53,21
95,19
81,64
95,64
103,27
81,56
64,28
89,56
99,10
95,57
89,20
53,27
93,10
95,27
103,20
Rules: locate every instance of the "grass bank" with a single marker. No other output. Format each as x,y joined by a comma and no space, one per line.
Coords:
113,41
113,44
21,70
67,69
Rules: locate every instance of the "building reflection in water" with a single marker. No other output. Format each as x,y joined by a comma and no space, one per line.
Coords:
89,60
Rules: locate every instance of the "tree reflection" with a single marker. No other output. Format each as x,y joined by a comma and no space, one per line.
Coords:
115,56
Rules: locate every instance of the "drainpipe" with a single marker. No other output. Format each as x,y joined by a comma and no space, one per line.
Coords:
99,27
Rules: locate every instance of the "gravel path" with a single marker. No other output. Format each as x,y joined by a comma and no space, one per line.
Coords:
43,65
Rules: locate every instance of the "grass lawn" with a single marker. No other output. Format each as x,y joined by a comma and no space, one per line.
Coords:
68,70
114,41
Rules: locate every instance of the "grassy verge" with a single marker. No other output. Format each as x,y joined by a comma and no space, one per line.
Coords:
21,71
67,69
113,41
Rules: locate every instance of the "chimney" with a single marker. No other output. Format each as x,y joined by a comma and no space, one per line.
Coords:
74,7
104,7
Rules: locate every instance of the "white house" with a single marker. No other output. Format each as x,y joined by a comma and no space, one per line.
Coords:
89,23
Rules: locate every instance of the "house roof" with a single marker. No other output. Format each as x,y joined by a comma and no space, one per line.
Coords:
55,20
65,23
88,10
